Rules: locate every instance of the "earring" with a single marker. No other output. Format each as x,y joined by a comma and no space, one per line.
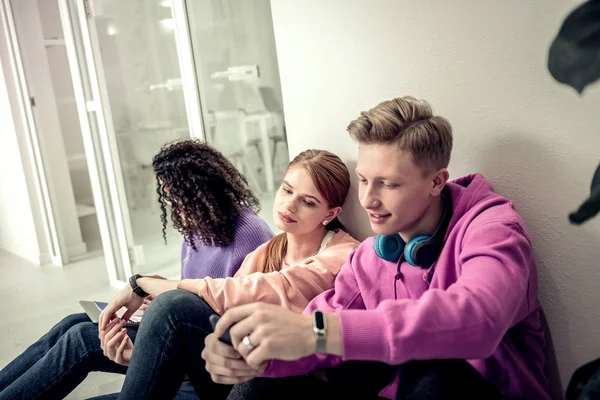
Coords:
325,222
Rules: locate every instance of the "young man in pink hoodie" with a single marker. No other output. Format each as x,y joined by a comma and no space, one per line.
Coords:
442,304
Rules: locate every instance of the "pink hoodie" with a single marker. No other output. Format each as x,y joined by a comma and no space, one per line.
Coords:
477,302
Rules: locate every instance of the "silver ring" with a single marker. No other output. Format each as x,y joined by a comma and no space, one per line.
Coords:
246,341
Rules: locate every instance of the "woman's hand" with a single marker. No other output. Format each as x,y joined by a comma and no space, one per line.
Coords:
150,297
273,333
224,364
125,298
146,302
115,342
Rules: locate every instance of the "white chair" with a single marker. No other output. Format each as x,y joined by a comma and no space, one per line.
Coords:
231,139
266,125
277,131
263,122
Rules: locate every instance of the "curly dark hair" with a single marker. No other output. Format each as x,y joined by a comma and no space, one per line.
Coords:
205,192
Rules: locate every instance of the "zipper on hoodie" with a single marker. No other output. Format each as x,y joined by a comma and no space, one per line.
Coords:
428,275
427,278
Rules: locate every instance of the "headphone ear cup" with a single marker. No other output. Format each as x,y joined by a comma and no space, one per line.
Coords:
389,247
414,247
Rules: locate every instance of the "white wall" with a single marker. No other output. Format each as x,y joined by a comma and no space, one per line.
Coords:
483,66
17,230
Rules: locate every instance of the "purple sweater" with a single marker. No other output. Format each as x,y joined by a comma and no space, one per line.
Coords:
477,302
222,262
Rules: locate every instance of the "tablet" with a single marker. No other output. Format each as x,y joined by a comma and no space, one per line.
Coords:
94,308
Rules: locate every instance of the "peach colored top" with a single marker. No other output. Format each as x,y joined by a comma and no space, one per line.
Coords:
292,287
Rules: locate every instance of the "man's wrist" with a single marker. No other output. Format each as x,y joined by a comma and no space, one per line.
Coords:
310,342
333,338
334,335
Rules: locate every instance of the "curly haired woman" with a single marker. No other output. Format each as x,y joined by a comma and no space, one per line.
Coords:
211,205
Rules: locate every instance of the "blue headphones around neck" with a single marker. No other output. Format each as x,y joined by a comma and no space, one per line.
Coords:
421,251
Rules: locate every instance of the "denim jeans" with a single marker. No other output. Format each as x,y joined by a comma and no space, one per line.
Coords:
169,344
59,361
185,392
171,339
418,380
348,380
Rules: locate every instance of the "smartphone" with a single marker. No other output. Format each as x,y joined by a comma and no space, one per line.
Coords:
226,338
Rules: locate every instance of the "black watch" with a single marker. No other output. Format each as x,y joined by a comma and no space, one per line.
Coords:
320,330
136,289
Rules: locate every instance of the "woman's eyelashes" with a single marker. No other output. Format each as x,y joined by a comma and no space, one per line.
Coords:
308,203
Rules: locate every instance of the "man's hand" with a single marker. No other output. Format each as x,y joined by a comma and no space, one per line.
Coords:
224,364
273,333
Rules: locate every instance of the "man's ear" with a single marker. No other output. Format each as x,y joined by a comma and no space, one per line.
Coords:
439,180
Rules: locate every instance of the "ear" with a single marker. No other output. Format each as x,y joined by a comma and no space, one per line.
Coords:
439,180
334,212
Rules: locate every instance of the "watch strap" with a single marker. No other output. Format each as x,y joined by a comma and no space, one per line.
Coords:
320,330
134,286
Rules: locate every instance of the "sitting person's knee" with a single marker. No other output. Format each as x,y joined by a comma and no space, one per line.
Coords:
73,319
170,302
174,297
85,333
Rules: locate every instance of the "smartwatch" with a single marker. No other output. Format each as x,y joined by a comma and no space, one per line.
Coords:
136,289
320,330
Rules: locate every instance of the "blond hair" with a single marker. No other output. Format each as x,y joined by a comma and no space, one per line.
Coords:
410,124
332,179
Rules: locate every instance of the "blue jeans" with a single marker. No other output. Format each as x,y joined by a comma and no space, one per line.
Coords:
169,346
418,380
171,339
185,392
59,361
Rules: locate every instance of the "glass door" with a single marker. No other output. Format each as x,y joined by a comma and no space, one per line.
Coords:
147,72
236,64
130,78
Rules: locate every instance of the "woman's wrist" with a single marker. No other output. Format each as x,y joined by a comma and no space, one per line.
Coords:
156,286
143,282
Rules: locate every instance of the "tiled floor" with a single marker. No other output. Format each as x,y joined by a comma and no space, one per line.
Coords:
33,299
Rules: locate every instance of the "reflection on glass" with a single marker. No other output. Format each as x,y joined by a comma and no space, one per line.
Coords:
234,52
142,77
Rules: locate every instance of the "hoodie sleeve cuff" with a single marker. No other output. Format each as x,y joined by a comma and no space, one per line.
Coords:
268,372
363,335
